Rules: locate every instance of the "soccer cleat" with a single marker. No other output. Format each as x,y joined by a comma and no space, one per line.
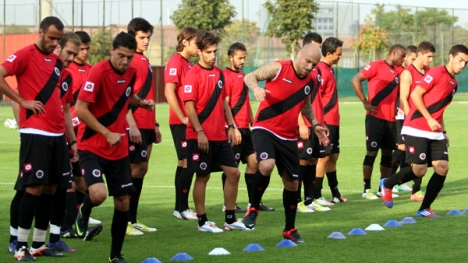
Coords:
265,208
117,260
132,231
144,228
177,215
91,232
60,246
45,251
93,221
237,225
317,207
426,213
369,195
302,208
70,233
386,194
209,227
188,215
293,235
23,254
340,199
323,202
251,217
418,196
81,225
379,194
12,246
402,188
238,209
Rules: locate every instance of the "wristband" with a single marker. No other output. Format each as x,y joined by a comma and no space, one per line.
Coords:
157,124
318,124
232,126
71,143
199,131
444,132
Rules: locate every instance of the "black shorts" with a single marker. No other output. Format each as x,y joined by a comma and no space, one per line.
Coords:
334,137
422,150
44,160
245,148
219,153
138,152
117,172
180,143
398,136
76,170
310,148
379,134
285,153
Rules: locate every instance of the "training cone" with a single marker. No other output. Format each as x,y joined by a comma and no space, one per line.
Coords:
337,235
253,247
454,213
374,227
181,256
151,260
286,243
408,220
357,231
465,211
392,223
219,251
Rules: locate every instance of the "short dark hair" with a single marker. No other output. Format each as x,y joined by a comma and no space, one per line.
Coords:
411,49
396,47
206,39
315,37
236,47
458,49
186,33
139,24
49,21
69,36
330,45
85,38
124,40
425,47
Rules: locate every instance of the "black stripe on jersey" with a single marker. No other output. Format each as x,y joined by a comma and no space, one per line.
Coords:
317,86
68,81
435,107
332,103
286,104
110,117
48,89
241,101
205,113
143,93
75,97
379,97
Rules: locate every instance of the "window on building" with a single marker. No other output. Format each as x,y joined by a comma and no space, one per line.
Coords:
319,27
330,20
330,27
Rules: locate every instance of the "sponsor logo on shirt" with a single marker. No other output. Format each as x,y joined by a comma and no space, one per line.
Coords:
295,175
143,58
131,148
48,60
28,167
300,145
126,185
81,70
211,75
367,67
173,72
196,157
11,58
188,88
184,144
89,86
411,149
287,80
428,79
120,81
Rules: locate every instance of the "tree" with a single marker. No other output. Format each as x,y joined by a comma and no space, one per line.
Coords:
100,45
212,15
290,20
371,39
16,29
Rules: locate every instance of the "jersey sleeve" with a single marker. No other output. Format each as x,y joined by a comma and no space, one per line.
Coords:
69,95
190,87
227,82
91,86
429,80
369,71
16,64
172,72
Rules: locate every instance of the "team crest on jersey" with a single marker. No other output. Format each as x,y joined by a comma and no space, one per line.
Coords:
309,150
264,156
150,69
319,78
144,154
367,67
188,88
454,91
373,144
307,90
203,166
183,144
411,150
397,80
196,157
237,156
57,71
128,91
28,167
11,58
40,174
96,173
422,156
173,72
65,86
89,86
300,145
132,148
428,79
220,84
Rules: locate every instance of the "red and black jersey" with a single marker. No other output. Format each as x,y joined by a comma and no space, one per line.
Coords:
440,87
315,98
66,83
382,88
279,111
107,91
238,94
329,94
144,88
38,77
79,74
206,88
416,76
175,71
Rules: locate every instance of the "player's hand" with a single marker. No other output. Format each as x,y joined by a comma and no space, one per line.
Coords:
203,145
158,135
238,136
447,141
433,124
147,104
371,109
114,138
135,135
260,94
75,157
322,135
231,134
304,132
184,120
33,105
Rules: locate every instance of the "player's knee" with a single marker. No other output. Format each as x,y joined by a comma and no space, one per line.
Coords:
441,167
121,203
202,178
97,193
419,169
143,169
369,160
386,161
266,167
291,185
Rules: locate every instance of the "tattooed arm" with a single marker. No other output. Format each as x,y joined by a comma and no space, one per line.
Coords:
266,72
320,131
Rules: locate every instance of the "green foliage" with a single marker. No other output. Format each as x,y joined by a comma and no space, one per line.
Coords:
100,45
290,20
372,40
212,15
16,29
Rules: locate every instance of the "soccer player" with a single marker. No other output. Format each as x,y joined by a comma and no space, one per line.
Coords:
409,79
208,146
144,129
274,132
411,54
102,105
424,131
313,38
174,77
382,77
43,151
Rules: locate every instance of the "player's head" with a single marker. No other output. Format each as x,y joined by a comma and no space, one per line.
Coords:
396,55
332,49
458,58
50,33
411,54
142,30
84,48
237,53
122,51
207,44
69,47
425,53
307,59
186,41
312,38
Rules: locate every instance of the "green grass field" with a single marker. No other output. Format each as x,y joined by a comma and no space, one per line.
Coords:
429,240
